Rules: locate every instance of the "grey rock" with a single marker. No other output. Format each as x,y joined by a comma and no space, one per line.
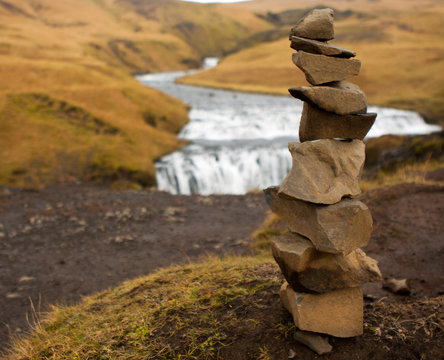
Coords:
341,97
321,69
319,47
315,342
324,171
397,286
316,25
337,229
319,124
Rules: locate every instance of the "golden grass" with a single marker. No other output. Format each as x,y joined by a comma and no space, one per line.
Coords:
176,313
408,173
197,311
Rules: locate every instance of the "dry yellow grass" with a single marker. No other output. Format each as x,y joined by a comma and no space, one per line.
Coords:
66,76
401,51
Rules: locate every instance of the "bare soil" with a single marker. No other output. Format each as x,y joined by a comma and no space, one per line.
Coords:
62,243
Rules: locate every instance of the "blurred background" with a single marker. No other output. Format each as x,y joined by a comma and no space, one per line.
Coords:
77,104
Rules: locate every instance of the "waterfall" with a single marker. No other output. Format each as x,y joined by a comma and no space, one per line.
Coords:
240,139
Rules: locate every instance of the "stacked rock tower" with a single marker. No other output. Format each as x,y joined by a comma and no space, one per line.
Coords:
320,256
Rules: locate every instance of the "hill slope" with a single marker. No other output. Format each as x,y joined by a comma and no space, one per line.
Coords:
69,106
400,48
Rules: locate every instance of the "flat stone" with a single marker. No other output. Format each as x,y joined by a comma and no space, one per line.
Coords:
319,124
319,47
324,171
316,25
321,69
336,229
315,342
338,313
341,97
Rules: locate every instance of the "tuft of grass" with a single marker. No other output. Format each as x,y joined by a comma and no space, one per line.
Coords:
407,173
185,312
270,228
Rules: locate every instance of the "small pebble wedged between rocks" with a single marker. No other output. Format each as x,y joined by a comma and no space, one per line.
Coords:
315,342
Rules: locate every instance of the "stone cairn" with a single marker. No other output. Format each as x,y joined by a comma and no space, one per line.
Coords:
320,256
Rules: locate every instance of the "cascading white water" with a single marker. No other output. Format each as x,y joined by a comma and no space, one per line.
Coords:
240,139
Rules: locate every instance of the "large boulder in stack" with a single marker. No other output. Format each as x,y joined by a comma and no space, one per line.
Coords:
319,124
339,313
321,69
324,171
336,229
341,97
316,25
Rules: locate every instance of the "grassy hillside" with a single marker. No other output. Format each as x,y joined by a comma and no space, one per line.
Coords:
69,107
400,48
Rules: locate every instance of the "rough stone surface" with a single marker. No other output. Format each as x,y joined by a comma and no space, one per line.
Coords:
292,252
324,171
341,97
319,47
337,229
323,272
315,342
338,313
319,124
316,25
328,272
321,69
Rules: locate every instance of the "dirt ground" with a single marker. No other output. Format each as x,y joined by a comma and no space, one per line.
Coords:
65,242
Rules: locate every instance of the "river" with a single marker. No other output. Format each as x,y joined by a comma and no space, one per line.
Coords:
239,140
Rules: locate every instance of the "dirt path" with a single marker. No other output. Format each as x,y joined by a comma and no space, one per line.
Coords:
62,243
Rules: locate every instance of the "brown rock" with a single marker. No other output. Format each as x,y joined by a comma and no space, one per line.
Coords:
319,124
337,229
338,313
341,97
324,171
316,25
322,272
319,47
292,252
321,69
328,272
315,342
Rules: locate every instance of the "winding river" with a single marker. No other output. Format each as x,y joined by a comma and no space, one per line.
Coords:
239,140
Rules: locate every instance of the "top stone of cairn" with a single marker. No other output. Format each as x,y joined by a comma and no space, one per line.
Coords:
316,25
